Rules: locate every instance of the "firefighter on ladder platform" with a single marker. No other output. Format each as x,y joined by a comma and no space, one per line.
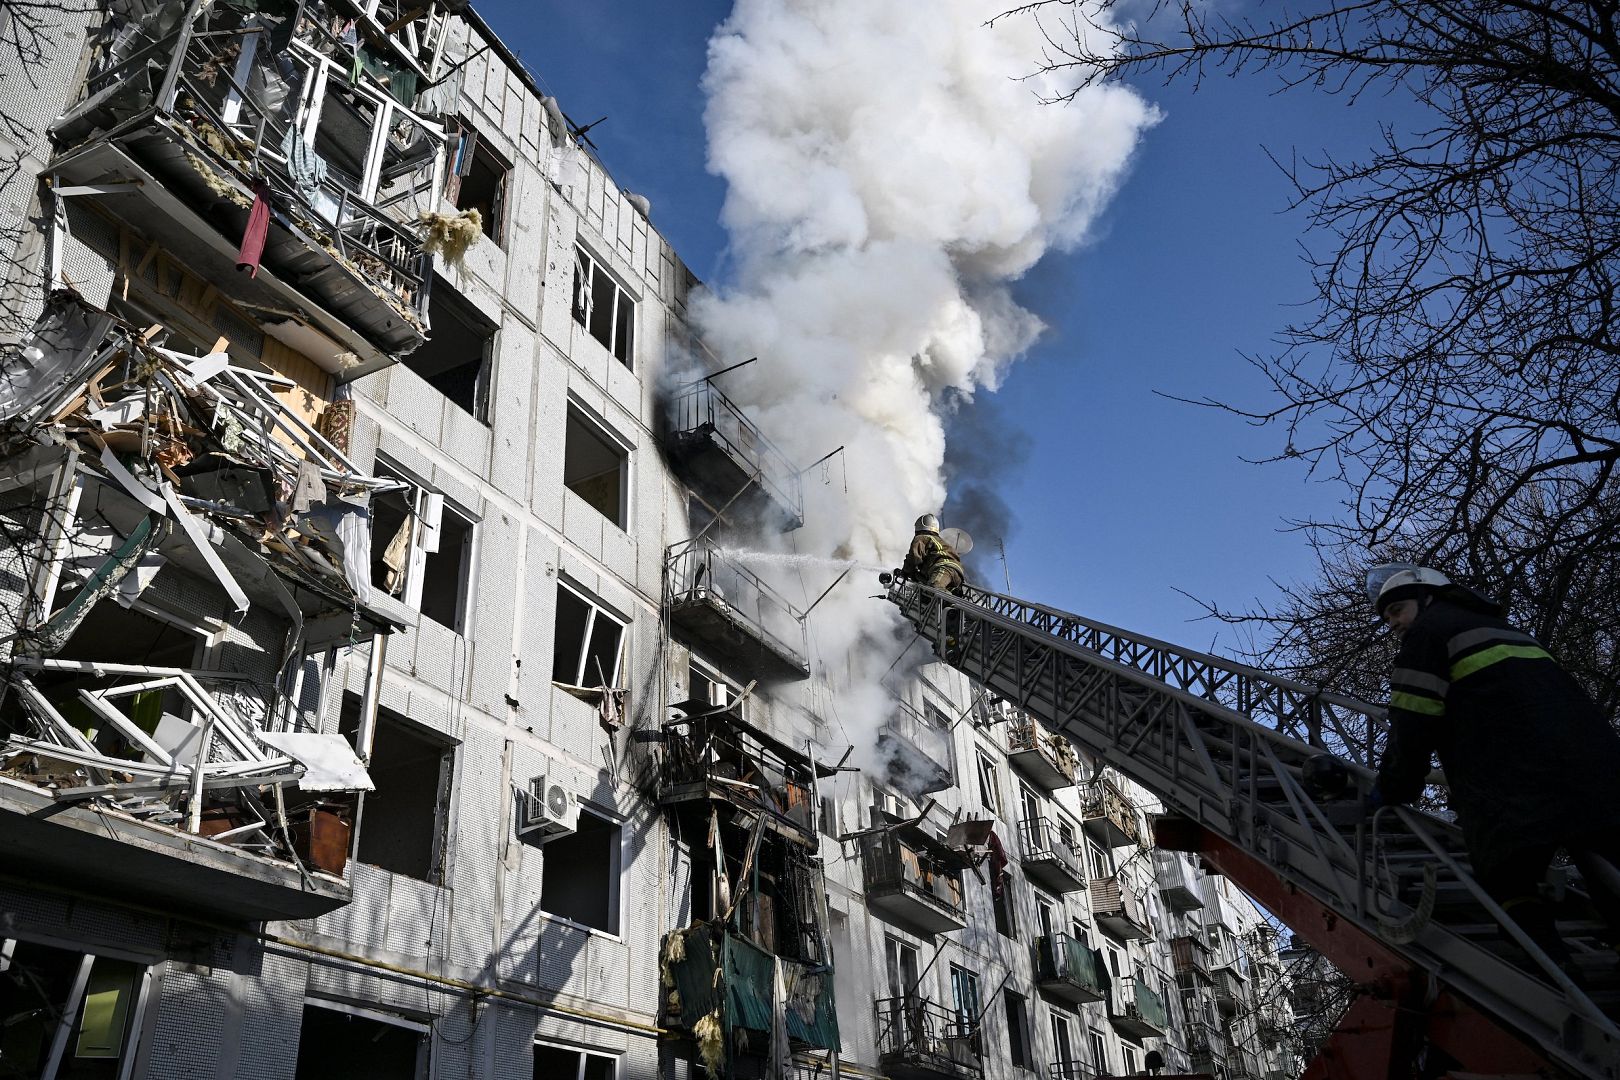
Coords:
931,560
1530,760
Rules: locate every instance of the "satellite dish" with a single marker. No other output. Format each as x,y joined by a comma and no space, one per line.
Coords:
960,541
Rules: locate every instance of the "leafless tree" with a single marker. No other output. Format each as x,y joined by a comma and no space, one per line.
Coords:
1459,372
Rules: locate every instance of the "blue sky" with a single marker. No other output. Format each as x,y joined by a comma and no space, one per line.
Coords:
1123,496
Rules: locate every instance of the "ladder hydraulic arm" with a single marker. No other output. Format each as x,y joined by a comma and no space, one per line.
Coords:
1390,901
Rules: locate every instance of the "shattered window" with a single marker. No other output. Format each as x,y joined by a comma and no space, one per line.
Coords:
580,877
587,643
338,1043
603,307
456,358
595,466
422,550
405,817
478,181
988,790
67,1013
1019,1050
566,1063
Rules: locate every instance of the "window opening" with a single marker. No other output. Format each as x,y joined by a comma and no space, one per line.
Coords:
965,998
1100,866
1002,904
421,550
340,1045
901,962
457,356
1062,1040
603,307
1020,1053
987,784
404,819
566,1063
1043,914
586,648
595,466
478,180
1099,1050
580,876
67,1013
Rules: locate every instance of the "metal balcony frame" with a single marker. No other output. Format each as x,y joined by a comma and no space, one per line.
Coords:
700,410
1047,860
914,1036
689,583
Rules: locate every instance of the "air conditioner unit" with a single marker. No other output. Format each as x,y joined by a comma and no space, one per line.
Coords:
549,811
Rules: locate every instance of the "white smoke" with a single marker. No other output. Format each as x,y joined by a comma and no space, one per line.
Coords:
889,175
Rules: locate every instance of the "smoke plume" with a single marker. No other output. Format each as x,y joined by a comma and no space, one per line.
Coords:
888,175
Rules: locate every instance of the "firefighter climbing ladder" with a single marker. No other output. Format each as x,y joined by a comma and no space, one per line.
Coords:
1222,746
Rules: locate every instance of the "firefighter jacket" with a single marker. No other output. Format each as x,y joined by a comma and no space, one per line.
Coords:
927,552
1529,758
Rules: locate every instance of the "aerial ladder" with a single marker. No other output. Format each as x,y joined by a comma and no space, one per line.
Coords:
1449,985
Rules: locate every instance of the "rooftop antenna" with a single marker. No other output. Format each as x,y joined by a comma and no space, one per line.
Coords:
1006,577
579,133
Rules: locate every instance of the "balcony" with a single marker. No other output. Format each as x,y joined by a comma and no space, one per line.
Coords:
177,137
1190,956
1048,860
1110,818
1228,990
1206,1047
1118,910
915,751
725,457
1073,1070
717,757
1044,758
1066,969
920,1040
726,610
913,880
128,813
1177,880
706,968
1137,1010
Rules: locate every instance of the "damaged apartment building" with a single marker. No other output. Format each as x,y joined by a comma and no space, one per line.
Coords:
379,697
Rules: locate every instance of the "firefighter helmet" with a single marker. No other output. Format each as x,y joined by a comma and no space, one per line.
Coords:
1393,582
928,523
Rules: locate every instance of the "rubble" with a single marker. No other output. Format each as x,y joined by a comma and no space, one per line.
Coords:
141,460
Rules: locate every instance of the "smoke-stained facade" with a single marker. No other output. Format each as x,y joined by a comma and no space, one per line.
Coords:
403,674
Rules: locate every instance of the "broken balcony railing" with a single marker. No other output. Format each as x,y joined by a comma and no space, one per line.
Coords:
157,448
1110,817
919,1039
1045,758
712,755
725,455
197,124
168,757
913,880
718,604
1190,957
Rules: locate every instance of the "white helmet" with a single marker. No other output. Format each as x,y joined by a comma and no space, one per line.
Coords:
928,523
1393,582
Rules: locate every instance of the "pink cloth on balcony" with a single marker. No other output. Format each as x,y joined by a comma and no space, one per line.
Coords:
258,227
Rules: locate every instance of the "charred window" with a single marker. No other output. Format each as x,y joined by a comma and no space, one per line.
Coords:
339,1045
1019,1050
566,1063
67,1014
456,358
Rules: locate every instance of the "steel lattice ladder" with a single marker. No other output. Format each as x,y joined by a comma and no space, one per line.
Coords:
1390,902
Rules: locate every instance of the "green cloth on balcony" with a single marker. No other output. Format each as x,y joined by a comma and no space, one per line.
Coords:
1151,1006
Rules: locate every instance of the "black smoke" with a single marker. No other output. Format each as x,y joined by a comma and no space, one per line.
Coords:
984,445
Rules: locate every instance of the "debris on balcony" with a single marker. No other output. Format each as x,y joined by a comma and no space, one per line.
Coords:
719,605
293,130
715,754
132,465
